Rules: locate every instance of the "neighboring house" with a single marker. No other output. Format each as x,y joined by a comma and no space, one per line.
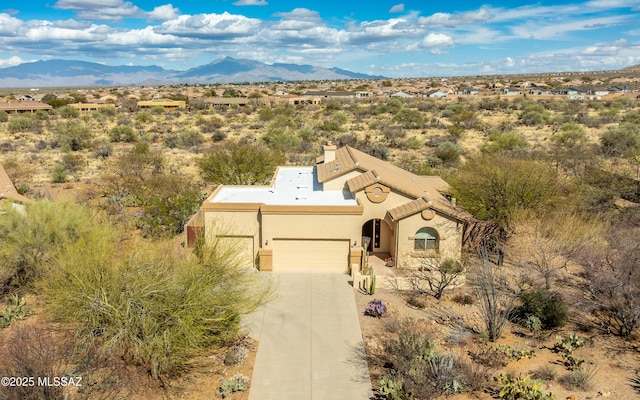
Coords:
329,94
89,107
511,91
319,218
24,107
436,94
9,193
228,102
401,94
467,91
166,104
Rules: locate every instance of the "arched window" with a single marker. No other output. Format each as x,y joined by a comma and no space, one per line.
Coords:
425,239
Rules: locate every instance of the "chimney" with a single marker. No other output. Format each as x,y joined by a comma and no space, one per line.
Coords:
329,152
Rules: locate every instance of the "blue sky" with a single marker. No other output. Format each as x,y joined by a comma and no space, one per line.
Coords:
391,38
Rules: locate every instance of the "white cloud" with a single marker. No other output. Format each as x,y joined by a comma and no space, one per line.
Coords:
11,62
452,20
221,26
382,30
510,62
437,40
250,3
164,13
398,8
9,25
534,30
106,10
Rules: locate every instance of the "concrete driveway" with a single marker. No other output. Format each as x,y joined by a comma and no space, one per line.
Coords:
310,343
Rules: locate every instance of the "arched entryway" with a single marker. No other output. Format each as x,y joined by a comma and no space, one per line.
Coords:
378,234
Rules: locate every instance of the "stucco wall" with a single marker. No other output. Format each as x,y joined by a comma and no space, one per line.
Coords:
339,183
449,232
231,223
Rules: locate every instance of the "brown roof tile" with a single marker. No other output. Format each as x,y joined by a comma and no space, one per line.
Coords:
362,181
410,208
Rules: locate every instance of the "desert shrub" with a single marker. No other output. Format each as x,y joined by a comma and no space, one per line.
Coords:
578,379
59,173
448,152
218,136
549,307
157,110
502,142
461,115
102,149
68,112
190,138
144,117
465,299
621,141
420,371
73,135
237,383
123,133
409,118
534,114
33,350
281,139
21,123
28,243
153,307
414,143
545,373
4,116
376,308
416,301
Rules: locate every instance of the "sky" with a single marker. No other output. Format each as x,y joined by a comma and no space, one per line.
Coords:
396,39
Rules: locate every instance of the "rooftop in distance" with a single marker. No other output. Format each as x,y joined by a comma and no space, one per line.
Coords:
292,186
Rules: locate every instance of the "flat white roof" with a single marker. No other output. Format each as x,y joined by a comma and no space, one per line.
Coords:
292,186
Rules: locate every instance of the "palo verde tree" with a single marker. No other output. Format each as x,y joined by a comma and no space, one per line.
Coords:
239,164
497,187
146,303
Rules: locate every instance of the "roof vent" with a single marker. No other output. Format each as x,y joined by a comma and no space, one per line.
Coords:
301,197
303,186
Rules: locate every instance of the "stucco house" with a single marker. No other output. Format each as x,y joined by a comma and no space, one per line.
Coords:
322,217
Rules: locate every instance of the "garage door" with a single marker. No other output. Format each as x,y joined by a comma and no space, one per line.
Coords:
310,255
241,245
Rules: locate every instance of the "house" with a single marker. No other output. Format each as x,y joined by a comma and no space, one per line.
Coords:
24,107
166,104
436,93
9,193
322,217
511,91
467,90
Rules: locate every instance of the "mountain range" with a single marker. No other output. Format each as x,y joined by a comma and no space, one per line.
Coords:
61,73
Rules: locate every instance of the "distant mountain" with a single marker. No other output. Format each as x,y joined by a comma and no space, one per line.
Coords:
227,70
631,68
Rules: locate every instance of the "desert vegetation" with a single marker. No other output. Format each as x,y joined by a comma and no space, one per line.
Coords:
551,185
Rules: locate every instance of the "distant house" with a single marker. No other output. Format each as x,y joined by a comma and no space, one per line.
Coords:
511,91
89,107
227,102
329,94
467,90
24,107
401,94
166,104
321,218
295,100
436,93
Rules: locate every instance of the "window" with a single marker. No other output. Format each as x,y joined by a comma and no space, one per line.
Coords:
425,239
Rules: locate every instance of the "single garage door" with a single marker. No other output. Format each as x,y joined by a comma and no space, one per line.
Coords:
310,255
241,245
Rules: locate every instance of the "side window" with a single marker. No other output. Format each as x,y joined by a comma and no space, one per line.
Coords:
425,239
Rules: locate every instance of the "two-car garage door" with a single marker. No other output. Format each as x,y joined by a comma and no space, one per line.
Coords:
310,255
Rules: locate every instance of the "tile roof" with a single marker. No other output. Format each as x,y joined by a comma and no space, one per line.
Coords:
374,170
407,209
7,190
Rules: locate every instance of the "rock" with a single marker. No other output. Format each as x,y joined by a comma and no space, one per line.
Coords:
602,393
